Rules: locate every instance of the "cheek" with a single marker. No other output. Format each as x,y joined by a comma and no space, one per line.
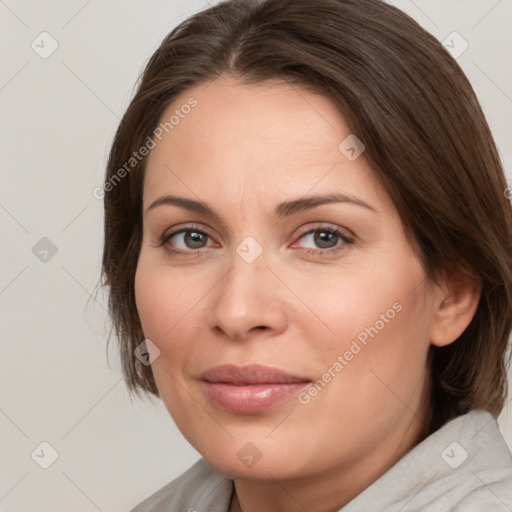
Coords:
350,305
147,295
169,305
162,307
160,303
383,328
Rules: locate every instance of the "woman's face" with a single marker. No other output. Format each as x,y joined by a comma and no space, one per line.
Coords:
327,295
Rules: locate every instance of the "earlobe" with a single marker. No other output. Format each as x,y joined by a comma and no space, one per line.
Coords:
455,311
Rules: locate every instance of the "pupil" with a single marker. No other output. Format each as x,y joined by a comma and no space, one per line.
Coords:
321,239
194,238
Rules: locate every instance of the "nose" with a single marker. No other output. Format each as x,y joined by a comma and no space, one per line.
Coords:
248,299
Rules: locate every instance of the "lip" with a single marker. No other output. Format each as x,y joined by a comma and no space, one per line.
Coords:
249,389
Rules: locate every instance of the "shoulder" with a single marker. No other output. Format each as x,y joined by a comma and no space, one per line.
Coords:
492,490
487,470
465,466
198,488
474,469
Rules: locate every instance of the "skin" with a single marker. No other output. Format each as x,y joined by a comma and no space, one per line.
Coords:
244,149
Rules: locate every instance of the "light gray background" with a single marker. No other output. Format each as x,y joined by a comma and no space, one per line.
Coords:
58,117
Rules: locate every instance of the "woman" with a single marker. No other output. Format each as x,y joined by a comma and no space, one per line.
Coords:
307,246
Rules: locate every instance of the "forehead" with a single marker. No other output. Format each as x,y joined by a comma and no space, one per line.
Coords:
270,139
272,116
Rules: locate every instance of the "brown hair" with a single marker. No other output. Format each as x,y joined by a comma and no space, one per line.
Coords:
425,135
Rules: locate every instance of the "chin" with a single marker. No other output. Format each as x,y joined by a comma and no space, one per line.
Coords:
261,470
251,461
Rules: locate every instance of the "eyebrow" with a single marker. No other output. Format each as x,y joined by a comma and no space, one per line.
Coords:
284,209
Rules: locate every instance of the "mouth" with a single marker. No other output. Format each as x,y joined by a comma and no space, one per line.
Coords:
249,389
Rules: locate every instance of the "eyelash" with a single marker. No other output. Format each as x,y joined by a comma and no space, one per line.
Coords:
164,239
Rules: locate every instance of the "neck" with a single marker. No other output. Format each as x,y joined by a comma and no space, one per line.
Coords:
330,490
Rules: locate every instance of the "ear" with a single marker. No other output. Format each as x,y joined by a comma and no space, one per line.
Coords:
455,308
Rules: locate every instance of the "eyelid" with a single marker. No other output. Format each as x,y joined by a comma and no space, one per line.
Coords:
176,230
341,232
344,239
328,227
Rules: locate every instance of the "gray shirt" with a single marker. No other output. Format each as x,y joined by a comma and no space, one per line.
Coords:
465,466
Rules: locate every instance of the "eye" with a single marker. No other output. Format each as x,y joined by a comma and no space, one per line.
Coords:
190,239
327,239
